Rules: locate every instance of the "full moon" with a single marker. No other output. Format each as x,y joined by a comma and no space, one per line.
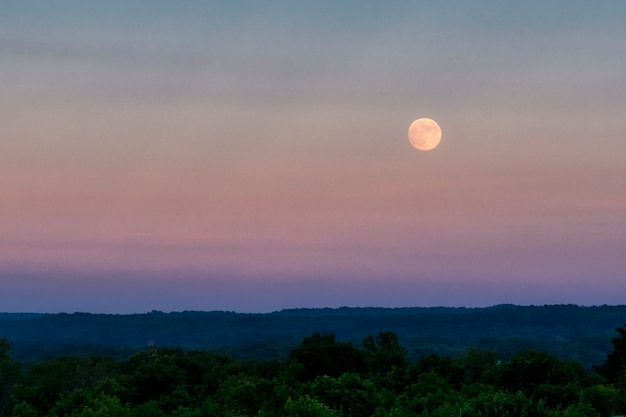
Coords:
424,134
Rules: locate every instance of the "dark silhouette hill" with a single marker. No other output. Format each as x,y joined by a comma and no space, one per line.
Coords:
571,332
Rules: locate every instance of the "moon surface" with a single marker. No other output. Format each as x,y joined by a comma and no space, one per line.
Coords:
424,134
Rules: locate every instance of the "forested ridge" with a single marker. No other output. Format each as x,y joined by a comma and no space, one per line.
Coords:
582,334
321,376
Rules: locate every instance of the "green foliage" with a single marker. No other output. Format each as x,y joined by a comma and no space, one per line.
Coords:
528,370
348,393
148,409
444,367
427,393
503,404
9,371
307,407
321,354
321,378
475,363
242,395
384,353
603,398
24,409
614,366
44,383
102,406
575,410
151,374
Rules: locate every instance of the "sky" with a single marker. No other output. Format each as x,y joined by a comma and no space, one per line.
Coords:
252,156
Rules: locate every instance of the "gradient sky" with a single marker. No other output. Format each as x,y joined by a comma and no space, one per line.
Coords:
253,155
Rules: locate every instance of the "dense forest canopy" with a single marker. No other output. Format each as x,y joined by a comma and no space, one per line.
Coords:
321,377
582,334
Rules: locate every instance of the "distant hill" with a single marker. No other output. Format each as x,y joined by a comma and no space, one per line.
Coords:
19,316
569,331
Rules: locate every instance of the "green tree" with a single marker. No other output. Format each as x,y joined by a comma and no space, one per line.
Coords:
603,398
103,406
242,394
148,375
148,409
24,409
306,406
321,354
349,394
9,372
575,410
614,366
504,404
427,393
44,383
439,365
475,362
384,352
529,370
